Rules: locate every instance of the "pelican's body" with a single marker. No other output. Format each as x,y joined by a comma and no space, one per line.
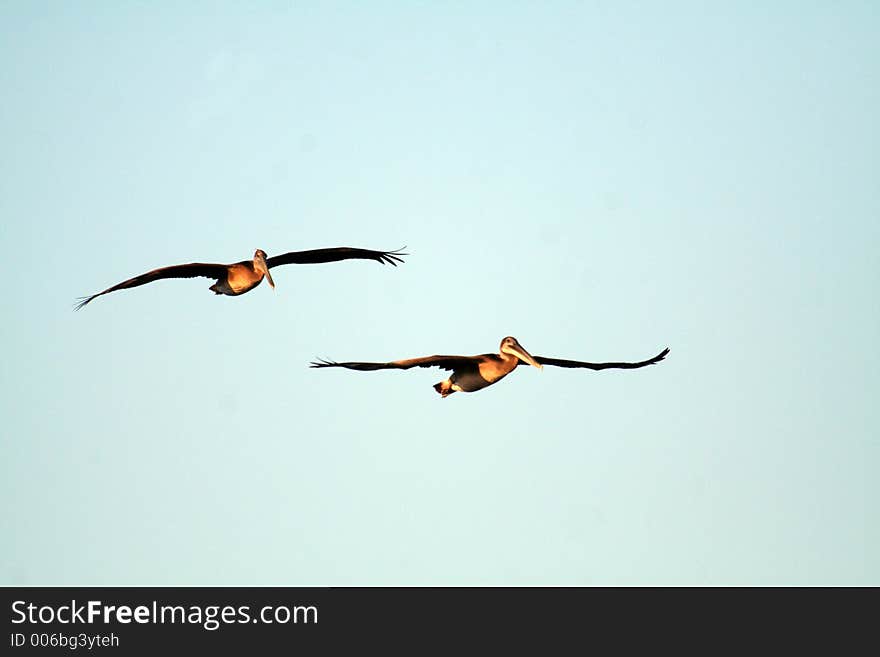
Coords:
481,371
239,278
244,276
472,373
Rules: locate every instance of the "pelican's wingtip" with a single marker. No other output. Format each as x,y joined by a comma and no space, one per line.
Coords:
392,257
81,303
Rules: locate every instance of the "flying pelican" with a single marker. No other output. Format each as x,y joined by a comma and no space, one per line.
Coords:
244,276
472,373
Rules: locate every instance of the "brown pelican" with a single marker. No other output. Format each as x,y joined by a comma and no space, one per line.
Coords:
472,373
244,276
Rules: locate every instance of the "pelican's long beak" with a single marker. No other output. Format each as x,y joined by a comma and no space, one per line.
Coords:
260,266
518,351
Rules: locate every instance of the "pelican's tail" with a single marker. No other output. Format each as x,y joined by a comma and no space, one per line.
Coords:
444,388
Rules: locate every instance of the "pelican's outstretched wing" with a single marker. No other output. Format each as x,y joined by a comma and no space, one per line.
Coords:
443,362
558,362
335,254
192,270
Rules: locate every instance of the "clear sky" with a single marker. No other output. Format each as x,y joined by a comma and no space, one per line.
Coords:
600,180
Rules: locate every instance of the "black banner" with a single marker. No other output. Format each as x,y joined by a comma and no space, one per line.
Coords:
146,620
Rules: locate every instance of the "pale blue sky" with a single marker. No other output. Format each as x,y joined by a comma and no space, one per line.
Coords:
600,180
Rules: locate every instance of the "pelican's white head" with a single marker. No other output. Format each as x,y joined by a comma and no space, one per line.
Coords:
261,266
509,345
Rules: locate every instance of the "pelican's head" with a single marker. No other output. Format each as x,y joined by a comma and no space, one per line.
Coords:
509,345
261,266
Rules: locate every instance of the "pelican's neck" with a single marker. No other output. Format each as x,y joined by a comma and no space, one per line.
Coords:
509,363
506,357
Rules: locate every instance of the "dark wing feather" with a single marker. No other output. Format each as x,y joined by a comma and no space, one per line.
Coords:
192,270
443,362
558,362
317,256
